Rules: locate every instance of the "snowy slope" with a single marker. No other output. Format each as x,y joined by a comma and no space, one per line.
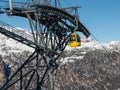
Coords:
11,45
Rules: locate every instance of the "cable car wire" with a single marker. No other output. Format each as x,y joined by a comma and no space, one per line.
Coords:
99,43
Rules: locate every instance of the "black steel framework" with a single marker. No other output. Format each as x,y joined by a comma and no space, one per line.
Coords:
50,27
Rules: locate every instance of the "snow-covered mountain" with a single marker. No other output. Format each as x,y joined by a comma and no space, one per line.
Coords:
92,66
8,46
12,45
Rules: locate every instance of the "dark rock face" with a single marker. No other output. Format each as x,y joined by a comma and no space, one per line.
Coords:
96,70
2,78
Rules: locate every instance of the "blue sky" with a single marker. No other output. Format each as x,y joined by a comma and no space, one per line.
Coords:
101,18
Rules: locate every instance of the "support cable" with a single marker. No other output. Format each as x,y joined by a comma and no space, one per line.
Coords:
100,44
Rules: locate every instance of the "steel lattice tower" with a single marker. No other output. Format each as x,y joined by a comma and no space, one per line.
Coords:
51,26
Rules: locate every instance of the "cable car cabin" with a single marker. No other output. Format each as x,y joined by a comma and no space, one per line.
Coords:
74,40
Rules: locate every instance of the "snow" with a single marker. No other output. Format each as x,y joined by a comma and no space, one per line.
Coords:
115,42
6,42
71,59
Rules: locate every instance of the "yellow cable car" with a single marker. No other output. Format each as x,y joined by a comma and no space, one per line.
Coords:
74,40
